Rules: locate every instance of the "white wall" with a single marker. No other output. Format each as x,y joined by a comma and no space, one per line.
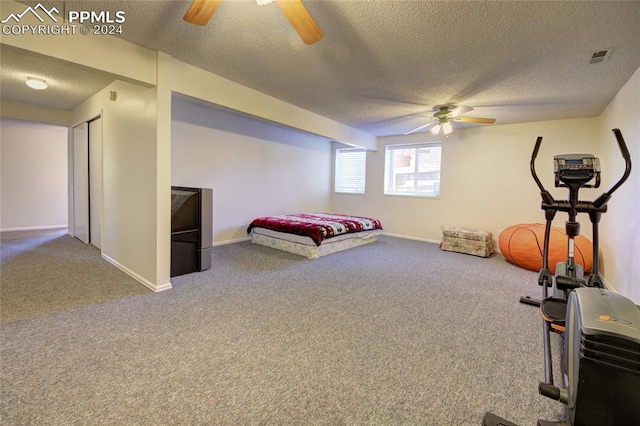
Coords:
130,237
200,84
254,168
485,179
620,226
34,175
35,113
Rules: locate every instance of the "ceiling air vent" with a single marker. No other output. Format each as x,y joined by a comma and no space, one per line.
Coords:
600,56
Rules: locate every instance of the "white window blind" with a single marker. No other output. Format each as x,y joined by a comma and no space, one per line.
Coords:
413,169
351,165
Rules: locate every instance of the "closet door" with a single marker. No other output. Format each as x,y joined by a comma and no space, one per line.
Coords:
95,182
81,182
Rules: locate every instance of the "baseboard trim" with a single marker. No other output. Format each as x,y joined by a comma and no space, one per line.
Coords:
141,280
34,228
608,285
237,240
408,237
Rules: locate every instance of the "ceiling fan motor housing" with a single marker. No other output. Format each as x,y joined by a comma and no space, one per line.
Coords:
443,114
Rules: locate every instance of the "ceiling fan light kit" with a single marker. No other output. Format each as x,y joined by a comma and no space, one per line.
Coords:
445,115
445,126
201,11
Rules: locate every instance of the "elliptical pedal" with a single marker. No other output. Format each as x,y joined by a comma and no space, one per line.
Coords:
491,419
554,312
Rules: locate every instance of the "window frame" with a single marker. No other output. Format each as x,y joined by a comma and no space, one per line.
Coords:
337,154
390,169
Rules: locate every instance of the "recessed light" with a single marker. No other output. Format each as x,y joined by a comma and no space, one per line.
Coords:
36,83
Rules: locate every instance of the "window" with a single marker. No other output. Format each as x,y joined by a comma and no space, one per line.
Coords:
413,169
351,165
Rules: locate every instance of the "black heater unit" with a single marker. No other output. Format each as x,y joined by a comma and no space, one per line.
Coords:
191,229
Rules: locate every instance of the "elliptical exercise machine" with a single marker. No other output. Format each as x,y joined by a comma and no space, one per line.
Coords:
601,352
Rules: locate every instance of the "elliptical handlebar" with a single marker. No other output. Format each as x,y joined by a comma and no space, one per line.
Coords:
622,144
546,195
532,164
627,161
602,200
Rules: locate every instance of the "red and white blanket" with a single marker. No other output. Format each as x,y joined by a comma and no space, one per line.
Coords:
317,226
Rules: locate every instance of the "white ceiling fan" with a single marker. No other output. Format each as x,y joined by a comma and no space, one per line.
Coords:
444,117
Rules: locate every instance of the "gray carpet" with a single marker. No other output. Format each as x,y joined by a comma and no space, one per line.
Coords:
395,332
48,271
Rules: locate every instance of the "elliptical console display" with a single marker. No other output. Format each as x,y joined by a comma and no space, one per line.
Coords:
576,168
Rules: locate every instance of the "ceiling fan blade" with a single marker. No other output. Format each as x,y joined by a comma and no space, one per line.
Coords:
301,20
475,120
432,122
460,110
201,11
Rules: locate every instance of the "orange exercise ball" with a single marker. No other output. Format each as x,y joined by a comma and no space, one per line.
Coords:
523,244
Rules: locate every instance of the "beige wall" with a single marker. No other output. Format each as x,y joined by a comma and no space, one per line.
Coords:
34,113
163,168
197,83
254,168
130,181
620,235
485,179
34,175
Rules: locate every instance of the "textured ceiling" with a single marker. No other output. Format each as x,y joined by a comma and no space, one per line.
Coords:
384,65
69,84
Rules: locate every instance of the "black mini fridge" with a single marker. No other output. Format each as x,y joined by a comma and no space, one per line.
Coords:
191,229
